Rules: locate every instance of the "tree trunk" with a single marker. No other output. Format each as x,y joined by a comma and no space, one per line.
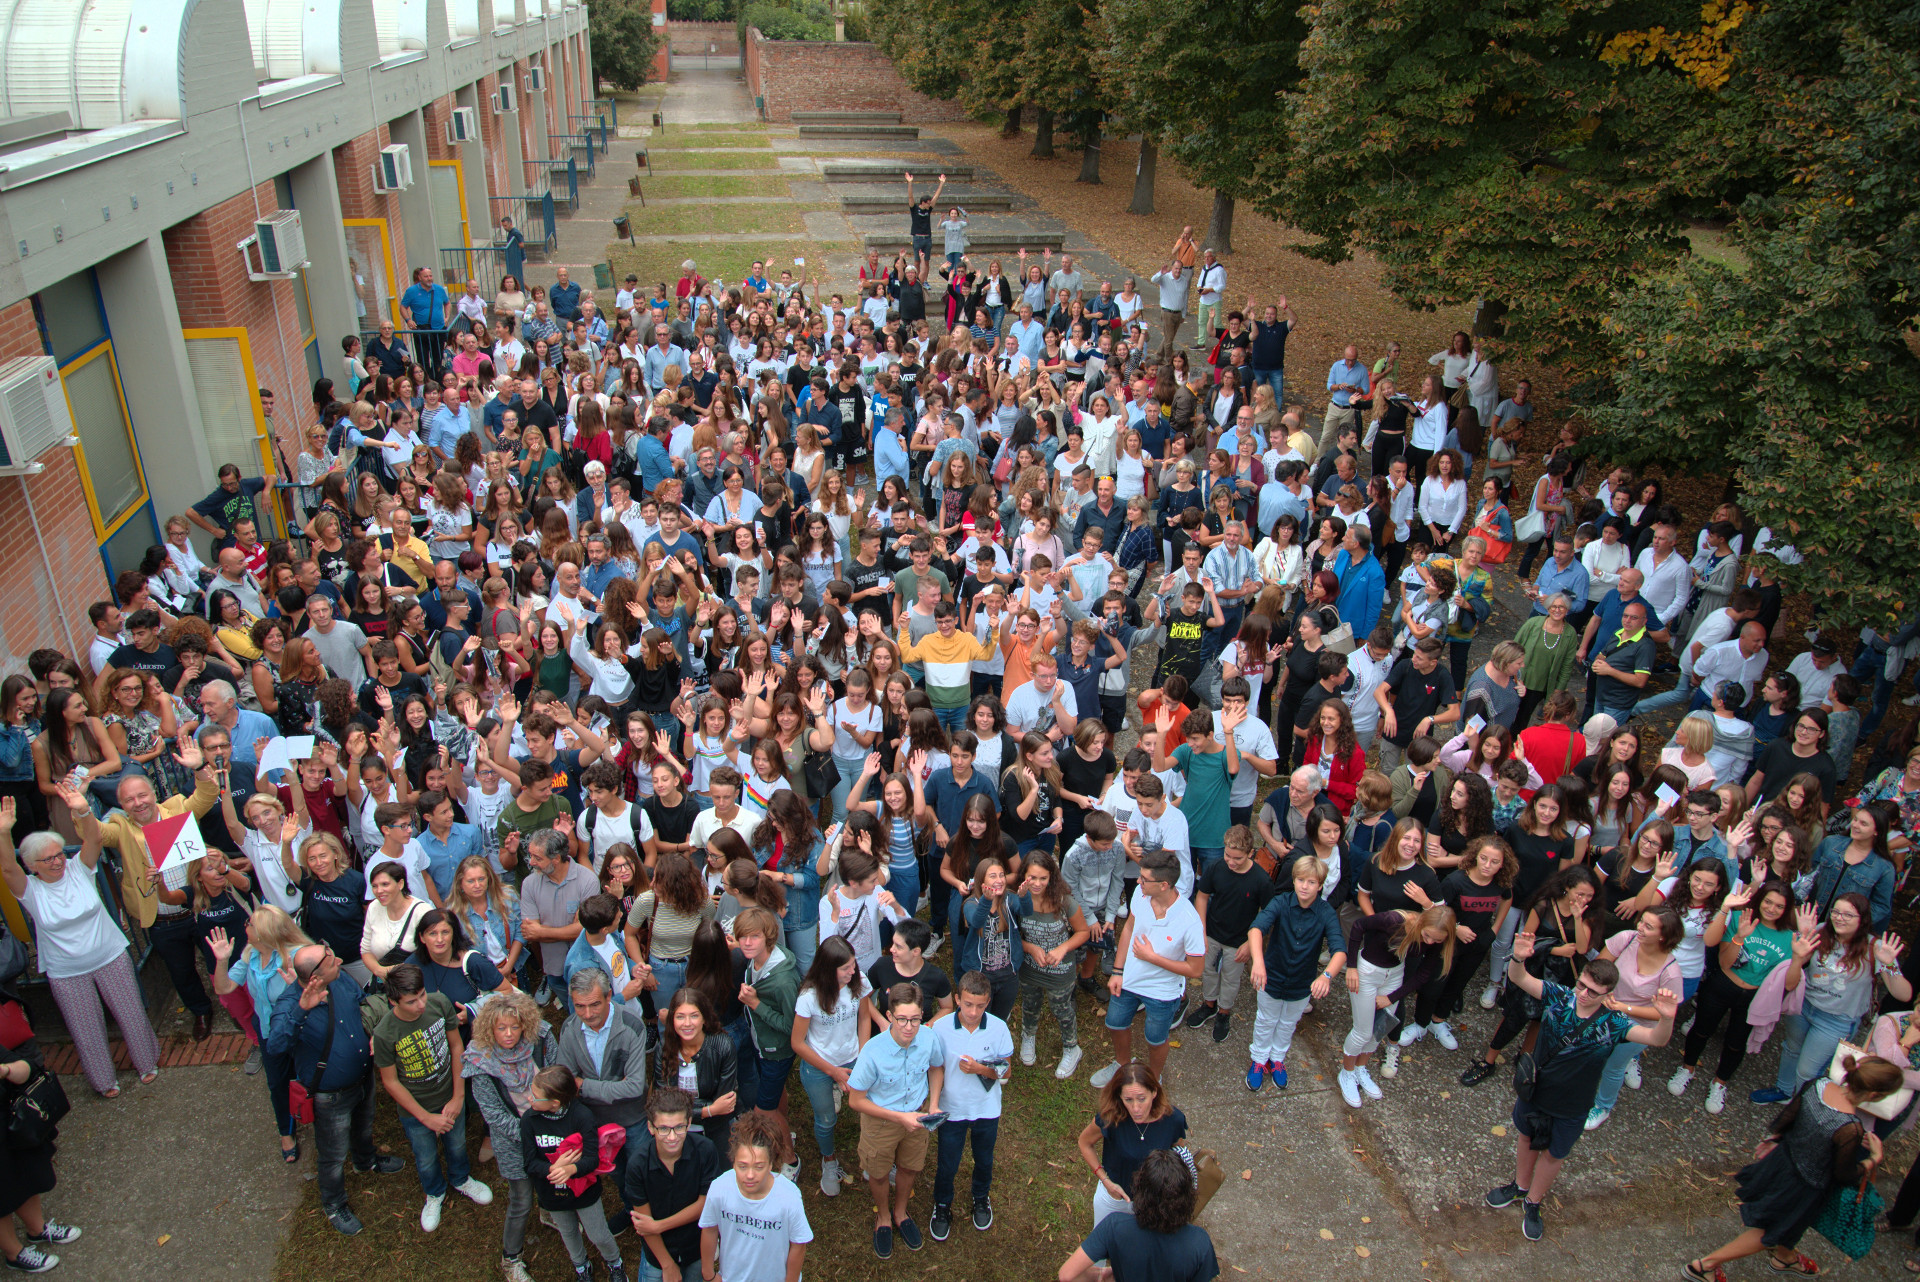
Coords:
1143,173
1220,225
1011,127
1043,134
1090,158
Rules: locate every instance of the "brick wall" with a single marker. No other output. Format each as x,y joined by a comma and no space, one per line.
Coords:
353,164
806,75
691,38
211,289
45,604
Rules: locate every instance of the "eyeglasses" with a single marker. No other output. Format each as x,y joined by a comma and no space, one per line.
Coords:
1591,991
681,1129
908,1020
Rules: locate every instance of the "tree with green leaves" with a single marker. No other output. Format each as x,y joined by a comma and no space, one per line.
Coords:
967,51
1060,75
624,41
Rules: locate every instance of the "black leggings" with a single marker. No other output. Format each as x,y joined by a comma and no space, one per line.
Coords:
1006,987
1444,996
1387,446
1719,997
1513,1021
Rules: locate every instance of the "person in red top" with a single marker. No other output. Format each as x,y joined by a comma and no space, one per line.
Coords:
323,784
1553,746
1335,750
1175,692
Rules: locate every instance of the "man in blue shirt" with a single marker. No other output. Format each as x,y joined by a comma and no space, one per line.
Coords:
662,354
1363,583
1029,333
564,298
601,569
431,311
1347,379
319,1020
445,842
446,423
674,539
655,464
896,1081
1230,571
890,449
1563,573
1284,495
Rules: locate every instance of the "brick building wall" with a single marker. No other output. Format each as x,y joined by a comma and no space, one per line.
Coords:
45,604
691,38
211,289
807,75
353,164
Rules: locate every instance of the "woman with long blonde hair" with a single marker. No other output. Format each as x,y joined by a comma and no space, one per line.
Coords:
1397,953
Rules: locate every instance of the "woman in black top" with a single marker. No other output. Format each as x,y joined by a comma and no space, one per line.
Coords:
560,1144
1086,771
1030,794
1560,917
1466,815
698,1057
1802,750
1302,670
1390,438
1397,878
1480,893
1539,838
1135,1118
717,971
1632,872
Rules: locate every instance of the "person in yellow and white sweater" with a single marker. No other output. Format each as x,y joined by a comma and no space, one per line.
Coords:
948,654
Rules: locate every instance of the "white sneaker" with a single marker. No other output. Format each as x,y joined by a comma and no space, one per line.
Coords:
830,1177
1099,1080
792,1169
1490,998
1633,1073
430,1213
1349,1088
1596,1118
474,1191
1678,1082
1069,1061
1412,1033
1367,1084
1390,1062
1027,1050
933,946
1912,701
1716,1097
1443,1033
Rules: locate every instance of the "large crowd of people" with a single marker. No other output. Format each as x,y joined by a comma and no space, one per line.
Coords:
658,697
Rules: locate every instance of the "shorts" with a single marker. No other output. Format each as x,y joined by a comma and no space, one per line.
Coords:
773,1082
1556,1135
885,1142
923,245
1161,1012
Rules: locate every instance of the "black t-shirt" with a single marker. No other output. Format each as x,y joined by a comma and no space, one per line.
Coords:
1389,889
648,1183
863,577
210,671
1778,766
410,683
1078,775
334,911
1308,713
1473,904
1011,795
1234,899
1539,857
241,783
228,913
1303,673
1125,1145
1416,695
1186,633
133,657
883,975
1141,1255
671,823
920,218
963,866
1611,894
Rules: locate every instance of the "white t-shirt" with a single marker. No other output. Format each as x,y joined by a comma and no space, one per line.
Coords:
834,1034
1177,936
269,878
1368,673
967,1097
76,935
610,830
1251,738
1028,709
867,721
485,811
755,1235
1167,832
414,859
857,921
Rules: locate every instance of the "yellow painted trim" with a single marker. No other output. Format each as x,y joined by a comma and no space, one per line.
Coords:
239,333
460,184
386,260
101,529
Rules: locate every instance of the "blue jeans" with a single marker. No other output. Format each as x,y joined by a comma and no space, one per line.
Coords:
343,1128
904,883
1161,1012
997,314
434,1181
1273,378
953,1138
803,940
1615,1072
747,1058
1695,697
670,975
819,1088
1807,1044
951,718
1042,842
1215,639
850,768
1872,664
1203,856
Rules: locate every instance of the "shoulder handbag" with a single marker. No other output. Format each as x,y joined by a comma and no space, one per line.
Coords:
400,952
1846,1217
821,773
1204,1165
1530,528
1526,1075
38,1105
1340,640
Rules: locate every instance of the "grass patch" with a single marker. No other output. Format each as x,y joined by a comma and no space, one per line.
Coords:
739,158
678,142
1714,246
729,262
699,220
678,187
1040,1192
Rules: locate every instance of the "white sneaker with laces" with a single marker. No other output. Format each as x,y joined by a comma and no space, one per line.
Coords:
430,1213
830,1177
1367,1084
1101,1077
1349,1088
1677,1084
1596,1118
474,1191
1443,1033
1027,1049
1490,998
792,1169
1634,1080
1069,1061
1716,1097
1412,1033
1390,1062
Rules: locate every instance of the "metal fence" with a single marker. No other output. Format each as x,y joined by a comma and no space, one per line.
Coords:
590,126
573,146
484,263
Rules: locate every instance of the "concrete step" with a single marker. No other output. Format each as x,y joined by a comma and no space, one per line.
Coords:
984,242
891,204
888,171
860,131
846,117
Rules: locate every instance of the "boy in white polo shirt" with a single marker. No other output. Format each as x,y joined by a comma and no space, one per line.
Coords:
979,1055
1165,945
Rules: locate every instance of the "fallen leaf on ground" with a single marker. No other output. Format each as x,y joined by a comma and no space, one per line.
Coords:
1362,1252
164,1239
1327,1234
1246,1175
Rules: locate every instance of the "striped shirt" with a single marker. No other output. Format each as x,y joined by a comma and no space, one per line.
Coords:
901,854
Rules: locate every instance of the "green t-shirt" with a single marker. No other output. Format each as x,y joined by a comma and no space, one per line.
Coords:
526,823
419,1052
1764,949
1206,799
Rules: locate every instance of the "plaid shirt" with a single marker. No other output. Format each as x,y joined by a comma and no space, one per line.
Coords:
1137,546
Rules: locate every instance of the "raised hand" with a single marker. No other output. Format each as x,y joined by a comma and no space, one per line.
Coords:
220,944
1163,718
1666,1002
1887,949
1522,945
187,752
6,814
917,762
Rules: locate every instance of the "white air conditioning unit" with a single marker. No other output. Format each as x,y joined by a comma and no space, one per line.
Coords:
504,101
536,79
463,125
34,416
283,244
395,170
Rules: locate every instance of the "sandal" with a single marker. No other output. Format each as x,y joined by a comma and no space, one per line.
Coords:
1912,1262
112,1094
1693,1270
150,1078
291,1155
1801,1264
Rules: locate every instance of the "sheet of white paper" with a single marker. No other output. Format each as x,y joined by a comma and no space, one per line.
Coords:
1476,723
1666,796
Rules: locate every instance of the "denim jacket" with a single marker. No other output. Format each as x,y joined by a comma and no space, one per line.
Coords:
482,927
976,912
803,896
16,751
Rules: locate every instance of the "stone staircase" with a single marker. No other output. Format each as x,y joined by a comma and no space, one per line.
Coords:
891,171
894,201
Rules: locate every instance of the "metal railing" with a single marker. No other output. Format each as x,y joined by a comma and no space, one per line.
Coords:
461,263
608,107
573,146
589,125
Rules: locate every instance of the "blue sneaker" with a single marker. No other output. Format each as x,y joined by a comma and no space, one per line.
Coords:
1256,1076
1279,1072
1769,1095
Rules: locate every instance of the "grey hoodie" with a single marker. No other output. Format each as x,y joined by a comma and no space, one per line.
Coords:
1096,878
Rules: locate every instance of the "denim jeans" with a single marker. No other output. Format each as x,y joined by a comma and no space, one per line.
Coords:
434,1181
850,768
951,718
819,1088
1203,856
670,975
1871,665
803,940
904,884
1273,378
342,1125
1684,691
1807,1044
1615,1073
513,1236
953,1138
